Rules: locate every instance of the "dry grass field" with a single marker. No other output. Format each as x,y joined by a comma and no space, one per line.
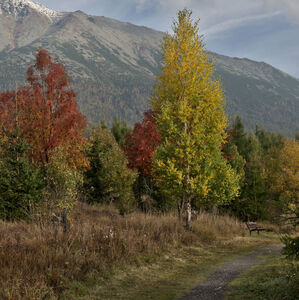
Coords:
38,261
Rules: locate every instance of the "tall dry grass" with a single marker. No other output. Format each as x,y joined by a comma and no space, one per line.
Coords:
37,262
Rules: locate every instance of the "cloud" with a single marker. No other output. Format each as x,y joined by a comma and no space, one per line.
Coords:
289,7
214,30
160,13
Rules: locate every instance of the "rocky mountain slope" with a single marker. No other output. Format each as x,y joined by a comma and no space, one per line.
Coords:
113,66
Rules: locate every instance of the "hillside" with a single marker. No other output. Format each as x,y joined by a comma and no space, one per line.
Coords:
113,66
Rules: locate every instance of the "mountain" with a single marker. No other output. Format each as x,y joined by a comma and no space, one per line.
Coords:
113,66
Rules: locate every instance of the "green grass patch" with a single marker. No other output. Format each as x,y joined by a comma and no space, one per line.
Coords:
168,275
276,278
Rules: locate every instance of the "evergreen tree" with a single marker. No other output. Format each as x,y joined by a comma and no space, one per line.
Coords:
119,131
188,104
239,137
268,140
251,204
108,179
234,158
21,186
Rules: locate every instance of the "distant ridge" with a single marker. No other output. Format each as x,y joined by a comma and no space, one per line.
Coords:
21,8
113,65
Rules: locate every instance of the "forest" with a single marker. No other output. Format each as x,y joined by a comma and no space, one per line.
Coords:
181,162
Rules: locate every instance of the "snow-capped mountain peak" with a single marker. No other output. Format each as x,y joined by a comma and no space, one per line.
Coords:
20,8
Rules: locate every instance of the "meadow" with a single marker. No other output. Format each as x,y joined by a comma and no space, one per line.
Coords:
40,261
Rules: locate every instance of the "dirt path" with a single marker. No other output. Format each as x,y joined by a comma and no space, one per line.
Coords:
214,287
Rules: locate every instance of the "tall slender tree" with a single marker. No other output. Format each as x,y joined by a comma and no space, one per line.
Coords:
190,118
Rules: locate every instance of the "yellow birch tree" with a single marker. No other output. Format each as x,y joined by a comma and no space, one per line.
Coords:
285,178
188,104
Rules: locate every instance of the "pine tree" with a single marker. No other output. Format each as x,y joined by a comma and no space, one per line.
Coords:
234,158
119,131
190,118
252,202
21,185
239,136
108,179
269,140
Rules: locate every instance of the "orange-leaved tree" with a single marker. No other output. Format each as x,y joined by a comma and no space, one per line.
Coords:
46,111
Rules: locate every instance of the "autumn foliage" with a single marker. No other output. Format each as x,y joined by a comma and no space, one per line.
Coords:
141,144
46,111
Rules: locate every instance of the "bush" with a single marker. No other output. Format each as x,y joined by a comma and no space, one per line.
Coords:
291,248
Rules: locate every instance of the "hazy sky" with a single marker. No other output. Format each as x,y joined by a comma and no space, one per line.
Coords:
263,30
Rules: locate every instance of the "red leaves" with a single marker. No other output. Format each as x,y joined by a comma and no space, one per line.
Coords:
141,144
46,110
43,60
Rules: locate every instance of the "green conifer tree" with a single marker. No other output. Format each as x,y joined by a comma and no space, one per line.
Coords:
251,204
239,136
21,185
119,131
108,179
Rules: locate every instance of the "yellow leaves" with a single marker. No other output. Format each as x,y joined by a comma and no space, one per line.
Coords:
190,117
286,179
62,181
205,190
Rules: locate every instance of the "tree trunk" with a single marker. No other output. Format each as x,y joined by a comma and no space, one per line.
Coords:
188,214
187,199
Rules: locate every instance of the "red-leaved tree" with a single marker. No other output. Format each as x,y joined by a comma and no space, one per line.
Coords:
141,144
46,111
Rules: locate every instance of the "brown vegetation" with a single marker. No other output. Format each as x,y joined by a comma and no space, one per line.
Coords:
38,261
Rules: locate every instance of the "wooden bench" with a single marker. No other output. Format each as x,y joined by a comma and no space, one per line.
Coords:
252,226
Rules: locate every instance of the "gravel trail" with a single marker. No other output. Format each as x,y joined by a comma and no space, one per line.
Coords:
214,287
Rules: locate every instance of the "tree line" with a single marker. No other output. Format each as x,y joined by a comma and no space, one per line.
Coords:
182,156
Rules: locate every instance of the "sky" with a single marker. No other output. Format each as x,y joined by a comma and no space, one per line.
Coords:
262,30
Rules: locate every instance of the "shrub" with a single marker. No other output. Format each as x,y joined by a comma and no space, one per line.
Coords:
291,248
